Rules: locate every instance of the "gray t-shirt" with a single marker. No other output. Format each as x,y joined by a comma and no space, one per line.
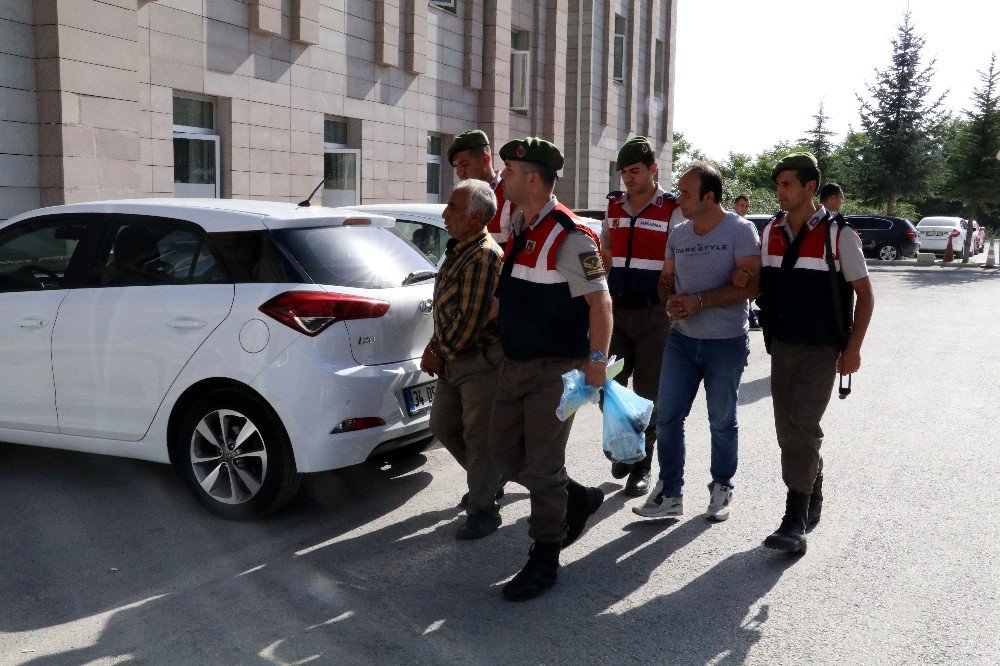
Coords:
706,262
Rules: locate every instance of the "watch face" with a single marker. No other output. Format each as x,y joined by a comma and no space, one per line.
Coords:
596,356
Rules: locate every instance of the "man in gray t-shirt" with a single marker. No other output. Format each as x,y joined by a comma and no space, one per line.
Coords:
708,338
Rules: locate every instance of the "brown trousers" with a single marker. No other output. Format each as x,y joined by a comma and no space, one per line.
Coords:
460,419
802,378
638,337
528,442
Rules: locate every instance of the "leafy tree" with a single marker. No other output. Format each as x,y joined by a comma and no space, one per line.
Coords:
902,152
973,163
684,154
817,142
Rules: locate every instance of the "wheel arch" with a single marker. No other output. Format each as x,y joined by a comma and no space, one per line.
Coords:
202,388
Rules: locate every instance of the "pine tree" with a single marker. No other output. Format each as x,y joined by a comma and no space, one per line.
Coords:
973,161
817,140
903,151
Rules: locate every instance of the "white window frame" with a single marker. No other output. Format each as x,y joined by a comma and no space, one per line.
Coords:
435,159
332,197
524,57
447,5
189,190
618,63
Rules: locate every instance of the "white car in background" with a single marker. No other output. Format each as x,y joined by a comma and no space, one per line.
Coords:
936,232
245,342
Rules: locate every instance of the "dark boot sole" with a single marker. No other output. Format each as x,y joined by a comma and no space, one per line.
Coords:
798,548
529,594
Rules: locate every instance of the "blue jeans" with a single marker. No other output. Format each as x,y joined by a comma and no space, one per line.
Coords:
686,362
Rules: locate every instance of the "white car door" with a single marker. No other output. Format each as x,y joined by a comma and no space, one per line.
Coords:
118,347
34,261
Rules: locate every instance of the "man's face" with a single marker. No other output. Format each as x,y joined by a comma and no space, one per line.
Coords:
741,207
791,193
691,203
515,185
457,221
639,178
834,202
471,163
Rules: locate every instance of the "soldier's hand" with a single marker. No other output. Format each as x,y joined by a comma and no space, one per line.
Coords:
596,374
849,361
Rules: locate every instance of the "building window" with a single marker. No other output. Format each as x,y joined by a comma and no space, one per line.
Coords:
450,5
658,69
196,148
618,73
341,164
520,71
434,184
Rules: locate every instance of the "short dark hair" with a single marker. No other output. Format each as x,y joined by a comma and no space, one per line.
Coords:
829,190
807,174
741,197
710,180
547,174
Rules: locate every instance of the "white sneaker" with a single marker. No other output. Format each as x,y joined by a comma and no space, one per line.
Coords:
658,506
718,505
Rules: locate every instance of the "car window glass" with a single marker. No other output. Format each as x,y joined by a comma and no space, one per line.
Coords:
429,239
147,253
35,257
251,256
356,256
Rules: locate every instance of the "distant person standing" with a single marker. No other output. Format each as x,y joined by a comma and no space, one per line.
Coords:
812,271
741,206
708,338
831,197
633,244
471,156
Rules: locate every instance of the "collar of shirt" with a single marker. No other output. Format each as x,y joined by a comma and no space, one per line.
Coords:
656,200
816,218
455,248
545,210
495,181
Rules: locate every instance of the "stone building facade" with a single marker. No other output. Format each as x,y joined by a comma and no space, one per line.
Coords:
105,99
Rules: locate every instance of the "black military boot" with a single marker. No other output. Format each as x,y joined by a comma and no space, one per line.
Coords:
816,502
791,534
583,502
537,576
638,482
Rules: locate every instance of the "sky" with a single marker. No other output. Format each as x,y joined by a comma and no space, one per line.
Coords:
751,73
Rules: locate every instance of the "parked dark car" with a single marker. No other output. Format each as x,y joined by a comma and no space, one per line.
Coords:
759,220
884,237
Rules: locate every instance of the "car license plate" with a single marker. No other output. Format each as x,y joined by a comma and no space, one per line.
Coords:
419,398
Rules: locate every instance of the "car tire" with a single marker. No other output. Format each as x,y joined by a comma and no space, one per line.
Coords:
234,472
889,252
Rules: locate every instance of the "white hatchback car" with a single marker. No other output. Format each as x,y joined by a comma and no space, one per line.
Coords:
937,232
246,342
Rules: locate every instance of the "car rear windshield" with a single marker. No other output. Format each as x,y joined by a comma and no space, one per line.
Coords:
354,256
937,222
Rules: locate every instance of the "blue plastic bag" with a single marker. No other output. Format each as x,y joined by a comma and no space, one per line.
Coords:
576,394
626,416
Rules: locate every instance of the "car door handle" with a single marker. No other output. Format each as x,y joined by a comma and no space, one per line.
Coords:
30,322
184,323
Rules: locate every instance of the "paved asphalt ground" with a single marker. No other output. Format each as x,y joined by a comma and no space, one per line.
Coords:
109,561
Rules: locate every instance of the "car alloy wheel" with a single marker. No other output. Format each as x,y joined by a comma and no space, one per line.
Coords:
888,253
228,456
235,455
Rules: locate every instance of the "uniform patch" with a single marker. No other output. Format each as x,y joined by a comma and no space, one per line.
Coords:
529,247
593,267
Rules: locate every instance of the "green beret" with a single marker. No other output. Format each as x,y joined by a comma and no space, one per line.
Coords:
534,150
466,141
635,150
793,161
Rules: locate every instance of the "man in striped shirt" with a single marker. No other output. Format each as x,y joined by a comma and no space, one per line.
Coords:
464,353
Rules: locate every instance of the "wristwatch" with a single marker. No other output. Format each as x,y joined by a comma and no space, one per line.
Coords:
597,356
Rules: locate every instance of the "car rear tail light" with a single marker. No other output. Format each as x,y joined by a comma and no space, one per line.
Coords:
356,221
955,233
311,312
363,423
911,234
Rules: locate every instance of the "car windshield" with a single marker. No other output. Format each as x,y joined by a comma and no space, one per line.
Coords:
354,256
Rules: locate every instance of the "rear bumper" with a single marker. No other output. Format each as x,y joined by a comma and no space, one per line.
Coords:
313,396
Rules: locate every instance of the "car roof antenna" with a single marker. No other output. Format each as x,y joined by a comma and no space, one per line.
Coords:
306,203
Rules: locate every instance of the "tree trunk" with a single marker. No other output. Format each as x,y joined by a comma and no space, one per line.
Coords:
889,205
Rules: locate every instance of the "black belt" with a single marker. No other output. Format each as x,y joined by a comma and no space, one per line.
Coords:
633,302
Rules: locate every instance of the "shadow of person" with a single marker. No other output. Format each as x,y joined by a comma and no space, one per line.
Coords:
752,391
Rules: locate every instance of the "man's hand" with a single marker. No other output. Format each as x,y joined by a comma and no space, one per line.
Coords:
741,277
682,306
596,374
494,310
849,361
430,362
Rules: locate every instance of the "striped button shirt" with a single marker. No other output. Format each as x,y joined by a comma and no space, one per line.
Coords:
463,289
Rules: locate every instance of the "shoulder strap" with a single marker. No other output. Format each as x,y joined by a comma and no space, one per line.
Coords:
831,263
615,194
563,219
